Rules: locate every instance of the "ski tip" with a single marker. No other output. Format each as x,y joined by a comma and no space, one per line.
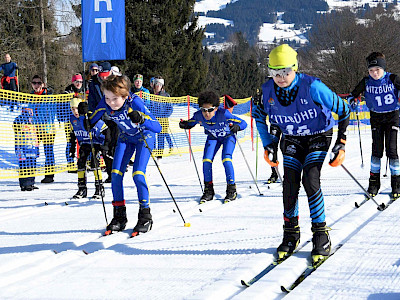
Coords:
84,251
107,232
200,210
268,187
46,203
55,251
285,290
174,210
66,203
244,283
187,225
356,205
135,233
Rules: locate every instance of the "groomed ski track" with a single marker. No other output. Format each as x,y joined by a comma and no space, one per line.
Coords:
42,246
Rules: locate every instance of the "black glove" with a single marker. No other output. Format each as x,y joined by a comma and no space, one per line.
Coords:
136,117
83,108
184,124
338,152
234,128
271,154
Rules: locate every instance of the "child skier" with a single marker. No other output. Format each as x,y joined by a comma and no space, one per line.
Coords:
137,127
26,148
221,128
381,92
79,131
302,107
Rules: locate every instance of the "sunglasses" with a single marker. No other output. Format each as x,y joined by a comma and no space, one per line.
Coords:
36,82
280,72
211,109
78,81
94,70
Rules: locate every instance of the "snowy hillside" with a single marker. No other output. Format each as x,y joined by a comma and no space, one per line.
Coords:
42,246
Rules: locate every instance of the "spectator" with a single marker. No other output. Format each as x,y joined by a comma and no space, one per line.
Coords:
44,113
26,148
64,112
93,70
138,87
162,110
9,81
95,95
115,71
151,89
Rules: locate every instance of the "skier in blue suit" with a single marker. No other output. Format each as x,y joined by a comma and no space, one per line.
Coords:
301,106
137,128
221,127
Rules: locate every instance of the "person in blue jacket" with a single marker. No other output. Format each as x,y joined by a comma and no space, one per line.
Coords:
9,81
301,106
79,131
137,128
381,92
221,127
26,148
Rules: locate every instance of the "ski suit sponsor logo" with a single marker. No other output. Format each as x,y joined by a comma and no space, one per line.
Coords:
297,117
385,88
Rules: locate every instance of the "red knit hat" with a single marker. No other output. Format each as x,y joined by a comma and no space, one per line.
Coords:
76,77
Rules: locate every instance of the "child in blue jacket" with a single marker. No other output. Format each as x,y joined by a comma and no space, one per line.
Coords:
137,128
26,148
80,132
221,127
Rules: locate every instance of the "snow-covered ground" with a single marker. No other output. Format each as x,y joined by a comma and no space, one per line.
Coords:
42,257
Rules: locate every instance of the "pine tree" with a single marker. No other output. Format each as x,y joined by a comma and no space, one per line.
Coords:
163,39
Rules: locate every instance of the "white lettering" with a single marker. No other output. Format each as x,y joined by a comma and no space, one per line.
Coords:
97,5
103,23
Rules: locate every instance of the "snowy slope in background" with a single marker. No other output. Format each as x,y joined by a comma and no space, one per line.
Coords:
225,243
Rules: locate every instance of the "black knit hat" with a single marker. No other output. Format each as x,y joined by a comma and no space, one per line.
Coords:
377,62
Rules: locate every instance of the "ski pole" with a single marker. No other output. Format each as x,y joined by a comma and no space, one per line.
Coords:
380,206
359,137
248,167
387,162
256,154
96,166
195,166
279,174
162,176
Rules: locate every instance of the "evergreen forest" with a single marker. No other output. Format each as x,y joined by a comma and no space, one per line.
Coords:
163,39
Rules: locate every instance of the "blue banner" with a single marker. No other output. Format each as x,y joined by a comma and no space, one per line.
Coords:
103,30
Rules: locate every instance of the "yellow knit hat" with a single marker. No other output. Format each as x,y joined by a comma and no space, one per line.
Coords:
75,102
282,57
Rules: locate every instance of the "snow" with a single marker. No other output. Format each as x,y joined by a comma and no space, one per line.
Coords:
206,5
224,244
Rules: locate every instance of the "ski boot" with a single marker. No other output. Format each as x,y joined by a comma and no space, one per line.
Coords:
230,193
119,221
144,223
208,192
395,183
48,179
274,177
82,189
99,193
321,243
291,238
374,184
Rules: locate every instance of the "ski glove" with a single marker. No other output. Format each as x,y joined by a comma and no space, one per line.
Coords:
136,117
271,155
184,124
353,103
83,108
338,153
234,128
